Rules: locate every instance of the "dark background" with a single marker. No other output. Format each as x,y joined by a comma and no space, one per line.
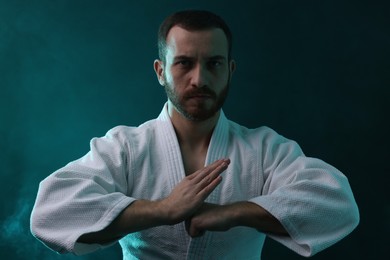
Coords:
315,71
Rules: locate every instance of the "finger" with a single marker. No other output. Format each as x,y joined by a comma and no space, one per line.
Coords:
198,175
205,191
194,231
214,173
213,169
208,180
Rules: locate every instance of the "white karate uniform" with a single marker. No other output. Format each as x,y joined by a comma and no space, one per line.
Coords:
311,199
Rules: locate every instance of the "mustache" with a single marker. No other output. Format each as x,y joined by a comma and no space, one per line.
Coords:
201,92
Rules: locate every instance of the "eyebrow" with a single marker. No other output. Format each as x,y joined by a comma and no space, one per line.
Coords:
185,57
217,57
182,57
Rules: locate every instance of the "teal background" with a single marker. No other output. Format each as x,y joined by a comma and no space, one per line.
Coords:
315,71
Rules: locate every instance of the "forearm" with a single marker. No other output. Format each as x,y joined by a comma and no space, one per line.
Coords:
139,215
252,215
184,200
214,217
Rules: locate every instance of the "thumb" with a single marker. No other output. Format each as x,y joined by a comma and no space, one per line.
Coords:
192,229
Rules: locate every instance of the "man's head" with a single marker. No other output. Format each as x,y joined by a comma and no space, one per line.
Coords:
195,66
191,20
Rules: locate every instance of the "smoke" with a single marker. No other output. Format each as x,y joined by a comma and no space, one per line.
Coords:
15,231
13,225
16,240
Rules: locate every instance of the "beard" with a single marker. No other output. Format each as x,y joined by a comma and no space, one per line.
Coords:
201,111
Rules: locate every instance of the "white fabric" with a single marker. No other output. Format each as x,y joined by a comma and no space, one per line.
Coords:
312,199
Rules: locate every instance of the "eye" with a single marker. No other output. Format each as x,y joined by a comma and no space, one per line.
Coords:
184,63
214,64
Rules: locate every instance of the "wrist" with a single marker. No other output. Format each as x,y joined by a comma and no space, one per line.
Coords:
236,215
164,214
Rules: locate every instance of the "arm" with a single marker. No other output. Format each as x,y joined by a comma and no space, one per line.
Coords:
87,195
223,217
312,199
183,201
303,197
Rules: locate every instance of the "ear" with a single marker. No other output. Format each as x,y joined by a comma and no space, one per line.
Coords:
232,67
159,69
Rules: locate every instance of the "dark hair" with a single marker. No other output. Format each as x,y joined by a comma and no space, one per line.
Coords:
191,20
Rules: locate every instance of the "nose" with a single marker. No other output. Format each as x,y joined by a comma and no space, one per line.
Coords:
199,76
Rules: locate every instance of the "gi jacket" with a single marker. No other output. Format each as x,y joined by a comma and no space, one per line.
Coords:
311,199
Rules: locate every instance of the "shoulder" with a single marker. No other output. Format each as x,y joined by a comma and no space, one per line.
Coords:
263,138
133,134
262,134
266,142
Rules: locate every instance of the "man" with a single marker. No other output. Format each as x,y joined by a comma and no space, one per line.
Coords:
191,183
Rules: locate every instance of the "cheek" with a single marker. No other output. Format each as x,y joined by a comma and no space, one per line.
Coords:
167,77
171,76
176,78
222,80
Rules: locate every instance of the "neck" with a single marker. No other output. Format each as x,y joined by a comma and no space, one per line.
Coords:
192,134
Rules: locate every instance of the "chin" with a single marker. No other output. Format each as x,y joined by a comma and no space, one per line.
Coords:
199,116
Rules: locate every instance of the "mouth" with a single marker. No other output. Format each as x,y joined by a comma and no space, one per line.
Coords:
200,97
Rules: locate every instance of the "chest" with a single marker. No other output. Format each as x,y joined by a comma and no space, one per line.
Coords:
193,159
157,166
193,162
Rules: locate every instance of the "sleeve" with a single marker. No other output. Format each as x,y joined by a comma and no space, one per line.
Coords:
84,196
311,199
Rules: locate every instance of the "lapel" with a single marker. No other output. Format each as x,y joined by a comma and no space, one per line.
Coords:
175,170
168,140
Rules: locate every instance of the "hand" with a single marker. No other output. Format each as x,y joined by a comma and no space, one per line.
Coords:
210,217
190,193
183,201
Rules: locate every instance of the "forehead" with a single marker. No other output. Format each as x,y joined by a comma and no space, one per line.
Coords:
208,42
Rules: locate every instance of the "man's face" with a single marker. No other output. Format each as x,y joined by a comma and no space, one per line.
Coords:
197,72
